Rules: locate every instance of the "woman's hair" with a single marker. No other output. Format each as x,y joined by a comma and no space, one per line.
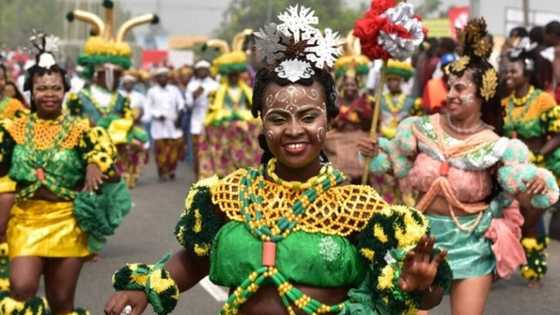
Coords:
536,69
477,46
37,71
266,76
4,71
18,96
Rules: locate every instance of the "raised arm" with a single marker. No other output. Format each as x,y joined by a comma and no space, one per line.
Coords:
161,283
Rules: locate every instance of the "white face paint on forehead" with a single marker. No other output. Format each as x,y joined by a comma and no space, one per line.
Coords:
286,97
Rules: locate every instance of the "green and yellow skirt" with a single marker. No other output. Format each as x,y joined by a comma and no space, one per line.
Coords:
45,229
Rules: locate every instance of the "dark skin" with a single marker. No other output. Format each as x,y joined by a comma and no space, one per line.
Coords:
100,78
294,137
61,274
200,73
394,85
3,79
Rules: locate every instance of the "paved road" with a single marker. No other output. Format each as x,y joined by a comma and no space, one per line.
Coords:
147,234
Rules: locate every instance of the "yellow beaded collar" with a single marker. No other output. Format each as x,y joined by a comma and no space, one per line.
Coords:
46,131
341,210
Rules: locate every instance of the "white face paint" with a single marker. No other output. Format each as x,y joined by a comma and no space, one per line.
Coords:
286,99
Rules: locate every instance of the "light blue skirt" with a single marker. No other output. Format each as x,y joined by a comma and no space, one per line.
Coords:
469,255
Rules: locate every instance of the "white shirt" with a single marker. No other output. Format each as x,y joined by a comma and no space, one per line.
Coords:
164,102
200,105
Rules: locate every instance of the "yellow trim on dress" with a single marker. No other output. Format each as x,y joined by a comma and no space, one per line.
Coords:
45,229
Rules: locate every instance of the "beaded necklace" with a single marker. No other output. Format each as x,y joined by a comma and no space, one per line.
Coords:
103,110
519,119
258,225
522,100
392,106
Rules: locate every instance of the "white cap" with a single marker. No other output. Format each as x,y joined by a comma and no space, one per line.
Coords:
128,78
202,64
161,70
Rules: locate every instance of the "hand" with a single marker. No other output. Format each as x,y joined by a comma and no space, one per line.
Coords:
537,186
118,301
419,268
198,92
368,147
94,178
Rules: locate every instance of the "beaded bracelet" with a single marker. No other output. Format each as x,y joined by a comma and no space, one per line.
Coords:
161,290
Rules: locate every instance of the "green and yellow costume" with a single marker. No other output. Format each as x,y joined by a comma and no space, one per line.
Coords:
320,233
230,133
534,116
106,48
53,155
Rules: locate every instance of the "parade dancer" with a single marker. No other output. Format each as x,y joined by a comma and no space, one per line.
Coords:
230,131
532,116
289,236
395,105
68,197
467,180
138,146
355,110
104,59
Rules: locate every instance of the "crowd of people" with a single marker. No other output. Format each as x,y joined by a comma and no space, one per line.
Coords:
326,182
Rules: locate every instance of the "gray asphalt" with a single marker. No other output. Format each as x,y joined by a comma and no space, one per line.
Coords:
147,234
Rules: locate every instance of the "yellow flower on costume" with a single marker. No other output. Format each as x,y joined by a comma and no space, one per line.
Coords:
531,244
197,228
201,249
385,280
11,306
379,233
367,253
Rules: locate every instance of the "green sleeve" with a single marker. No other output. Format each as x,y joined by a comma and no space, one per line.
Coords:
384,243
200,221
96,147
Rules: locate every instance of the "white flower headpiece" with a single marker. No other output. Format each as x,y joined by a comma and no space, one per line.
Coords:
46,45
295,46
522,49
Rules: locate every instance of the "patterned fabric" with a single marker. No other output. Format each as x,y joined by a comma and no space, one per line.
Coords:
131,161
168,152
223,149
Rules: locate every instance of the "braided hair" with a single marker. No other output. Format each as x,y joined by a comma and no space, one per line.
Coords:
265,76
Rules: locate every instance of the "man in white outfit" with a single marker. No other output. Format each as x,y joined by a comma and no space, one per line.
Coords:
164,104
197,93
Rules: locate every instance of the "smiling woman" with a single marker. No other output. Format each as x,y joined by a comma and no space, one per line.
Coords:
289,236
66,192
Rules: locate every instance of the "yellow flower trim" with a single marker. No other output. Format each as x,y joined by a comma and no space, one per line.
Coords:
4,284
197,221
385,280
201,249
379,233
159,284
368,253
11,306
4,249
531,244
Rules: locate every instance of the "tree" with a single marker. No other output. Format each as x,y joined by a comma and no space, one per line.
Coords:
253,14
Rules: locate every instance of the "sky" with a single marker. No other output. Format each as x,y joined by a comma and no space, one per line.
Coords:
195,17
